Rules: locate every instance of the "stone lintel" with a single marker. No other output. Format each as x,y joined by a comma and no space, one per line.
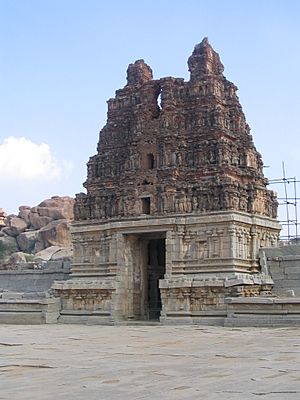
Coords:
157,224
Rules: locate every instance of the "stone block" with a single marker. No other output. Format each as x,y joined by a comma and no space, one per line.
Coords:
292,276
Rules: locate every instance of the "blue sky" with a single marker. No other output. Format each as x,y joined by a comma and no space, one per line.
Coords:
60,61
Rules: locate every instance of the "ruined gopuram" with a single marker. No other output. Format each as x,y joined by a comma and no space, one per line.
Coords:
177,205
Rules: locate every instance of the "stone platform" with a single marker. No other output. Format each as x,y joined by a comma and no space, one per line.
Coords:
65,362
29,311
263,311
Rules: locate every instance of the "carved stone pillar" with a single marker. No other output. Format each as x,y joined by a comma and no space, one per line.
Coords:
232,242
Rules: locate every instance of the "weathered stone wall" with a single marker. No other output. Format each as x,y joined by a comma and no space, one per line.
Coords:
284,267
30,282
201,252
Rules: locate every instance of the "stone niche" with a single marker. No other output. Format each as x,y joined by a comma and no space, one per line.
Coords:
177,206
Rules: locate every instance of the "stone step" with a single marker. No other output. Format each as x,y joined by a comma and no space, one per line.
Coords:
265,321
91,273
29,311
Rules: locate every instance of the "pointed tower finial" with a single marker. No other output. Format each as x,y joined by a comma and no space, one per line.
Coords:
204,61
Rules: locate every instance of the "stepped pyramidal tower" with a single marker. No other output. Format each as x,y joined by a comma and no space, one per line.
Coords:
177,205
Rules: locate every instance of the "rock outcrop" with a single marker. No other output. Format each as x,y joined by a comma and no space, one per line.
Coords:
8,246
56,233
2,217
25,236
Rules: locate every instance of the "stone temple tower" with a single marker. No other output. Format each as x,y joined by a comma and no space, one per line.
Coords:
176,207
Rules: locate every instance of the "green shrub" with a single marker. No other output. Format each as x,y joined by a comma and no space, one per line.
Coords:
6,249
29,257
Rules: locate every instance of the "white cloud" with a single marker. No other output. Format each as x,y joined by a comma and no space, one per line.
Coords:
22,159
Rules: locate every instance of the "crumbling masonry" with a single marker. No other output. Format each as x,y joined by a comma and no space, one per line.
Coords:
176,206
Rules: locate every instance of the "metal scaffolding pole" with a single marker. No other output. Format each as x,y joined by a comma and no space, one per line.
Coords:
290,203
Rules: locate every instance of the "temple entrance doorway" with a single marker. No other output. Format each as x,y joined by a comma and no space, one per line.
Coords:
145,262
156,260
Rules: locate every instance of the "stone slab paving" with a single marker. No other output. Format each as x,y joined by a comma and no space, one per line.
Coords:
148,362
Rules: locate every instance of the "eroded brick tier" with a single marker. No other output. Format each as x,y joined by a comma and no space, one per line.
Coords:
171,146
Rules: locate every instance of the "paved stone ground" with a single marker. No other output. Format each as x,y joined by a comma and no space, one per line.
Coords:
148,362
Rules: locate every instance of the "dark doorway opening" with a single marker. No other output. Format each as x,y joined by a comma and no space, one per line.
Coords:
150,161
145,262
156,266
146,205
